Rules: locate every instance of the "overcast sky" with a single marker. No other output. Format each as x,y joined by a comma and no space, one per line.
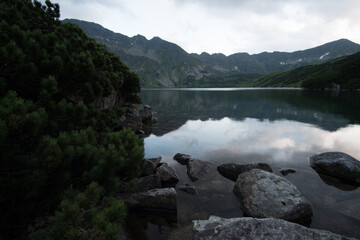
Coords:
226,26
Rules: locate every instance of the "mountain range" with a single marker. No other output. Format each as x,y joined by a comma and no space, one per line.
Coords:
160,63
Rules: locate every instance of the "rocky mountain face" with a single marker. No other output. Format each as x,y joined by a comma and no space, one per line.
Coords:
164,64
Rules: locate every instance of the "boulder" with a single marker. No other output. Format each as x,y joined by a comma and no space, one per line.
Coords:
257,229
150,165
155,199
337,164
286,171
264,194
147,183
154,118
167,175
232,170
182,158
146,113
197,168
131,119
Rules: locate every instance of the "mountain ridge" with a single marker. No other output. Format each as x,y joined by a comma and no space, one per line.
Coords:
160,63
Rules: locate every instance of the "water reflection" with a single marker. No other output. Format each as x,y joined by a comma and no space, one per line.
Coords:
280,127
277,141
322,109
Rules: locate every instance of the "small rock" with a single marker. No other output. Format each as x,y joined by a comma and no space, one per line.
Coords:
197,168
257,229
337,164
265,194
167,175
286,171
188,189
232,170
155,199
182,158
150,165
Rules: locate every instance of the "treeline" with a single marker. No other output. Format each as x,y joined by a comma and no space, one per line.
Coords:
344,72
61,150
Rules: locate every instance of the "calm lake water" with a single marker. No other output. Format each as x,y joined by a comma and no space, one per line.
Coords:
281,127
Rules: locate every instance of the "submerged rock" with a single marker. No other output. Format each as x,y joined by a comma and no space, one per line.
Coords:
232,170
286,171
167,175
265,194
257,229
155,199
188,189
197,168
337,164
350,208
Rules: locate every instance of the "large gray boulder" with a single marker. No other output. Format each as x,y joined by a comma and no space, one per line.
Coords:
337,164
155,199
264,194
167,175
257,229
197,168
232,170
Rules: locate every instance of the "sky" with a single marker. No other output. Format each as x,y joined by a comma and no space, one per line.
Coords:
225,26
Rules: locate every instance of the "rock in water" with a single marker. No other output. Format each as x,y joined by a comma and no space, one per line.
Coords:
265,194
188,189
232,170
257,229
182,158
155,199
197,168
167,175
337,164
286,171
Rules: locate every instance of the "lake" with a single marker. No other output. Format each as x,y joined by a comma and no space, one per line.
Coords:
281,127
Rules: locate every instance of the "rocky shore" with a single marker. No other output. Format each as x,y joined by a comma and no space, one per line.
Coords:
140,121
273,207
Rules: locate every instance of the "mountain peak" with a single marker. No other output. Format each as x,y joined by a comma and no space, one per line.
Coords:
164,64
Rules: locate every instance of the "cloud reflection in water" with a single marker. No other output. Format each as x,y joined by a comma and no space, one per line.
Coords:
278,140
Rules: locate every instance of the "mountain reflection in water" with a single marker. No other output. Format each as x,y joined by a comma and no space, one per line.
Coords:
280,127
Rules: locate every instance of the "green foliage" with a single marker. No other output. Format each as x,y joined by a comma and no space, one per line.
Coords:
57,145
85,215
342,71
